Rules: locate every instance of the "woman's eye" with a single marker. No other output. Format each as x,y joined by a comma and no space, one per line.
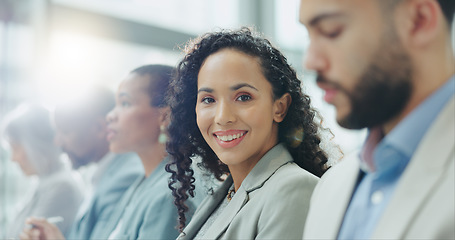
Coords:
125,104
244,98
208,100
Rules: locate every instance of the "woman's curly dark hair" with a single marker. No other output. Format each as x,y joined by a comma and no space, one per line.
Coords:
186,141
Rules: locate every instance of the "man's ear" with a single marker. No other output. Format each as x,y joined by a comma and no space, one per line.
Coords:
419,22
281,107
165,116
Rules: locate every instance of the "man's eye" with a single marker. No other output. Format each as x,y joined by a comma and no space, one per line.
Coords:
333,33
125,104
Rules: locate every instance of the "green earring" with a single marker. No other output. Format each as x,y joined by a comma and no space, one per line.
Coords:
162,138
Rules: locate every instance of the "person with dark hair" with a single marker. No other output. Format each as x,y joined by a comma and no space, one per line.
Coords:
138,124
387,66
29,133
81,132
237,106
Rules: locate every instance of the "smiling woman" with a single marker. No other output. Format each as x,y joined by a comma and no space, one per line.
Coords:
237,104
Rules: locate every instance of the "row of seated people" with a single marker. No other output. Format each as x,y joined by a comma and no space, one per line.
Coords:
233,110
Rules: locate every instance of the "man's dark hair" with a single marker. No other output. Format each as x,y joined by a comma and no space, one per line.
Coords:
448,8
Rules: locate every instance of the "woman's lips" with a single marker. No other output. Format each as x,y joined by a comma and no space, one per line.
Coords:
110,134
229,139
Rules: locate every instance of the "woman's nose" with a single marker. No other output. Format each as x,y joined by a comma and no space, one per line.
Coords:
111,116
224,113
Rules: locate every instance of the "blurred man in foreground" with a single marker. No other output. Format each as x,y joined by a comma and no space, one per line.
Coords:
386,65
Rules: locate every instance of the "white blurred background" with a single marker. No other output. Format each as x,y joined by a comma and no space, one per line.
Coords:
53,49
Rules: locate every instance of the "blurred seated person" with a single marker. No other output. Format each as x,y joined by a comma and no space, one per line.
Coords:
81,133
137,123
30,136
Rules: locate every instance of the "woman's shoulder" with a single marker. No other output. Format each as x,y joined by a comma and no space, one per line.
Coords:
156,189
289,187
289,180
292,173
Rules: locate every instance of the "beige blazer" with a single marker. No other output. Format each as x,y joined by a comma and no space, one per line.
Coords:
271,203
423,205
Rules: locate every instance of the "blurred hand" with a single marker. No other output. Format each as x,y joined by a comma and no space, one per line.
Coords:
42,230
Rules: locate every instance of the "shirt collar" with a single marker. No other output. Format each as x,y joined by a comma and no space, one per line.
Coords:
406,136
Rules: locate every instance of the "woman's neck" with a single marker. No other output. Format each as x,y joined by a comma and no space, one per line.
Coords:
151,157
240,171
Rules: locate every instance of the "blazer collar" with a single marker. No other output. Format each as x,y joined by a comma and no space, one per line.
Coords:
424,172
209,205
337,199
264,169
140,183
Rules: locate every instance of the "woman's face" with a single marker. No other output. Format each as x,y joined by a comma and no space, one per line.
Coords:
19,155
133,125
235,109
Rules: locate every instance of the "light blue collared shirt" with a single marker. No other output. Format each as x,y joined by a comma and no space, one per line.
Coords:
390,157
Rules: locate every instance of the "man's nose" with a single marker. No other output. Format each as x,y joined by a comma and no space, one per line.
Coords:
315,59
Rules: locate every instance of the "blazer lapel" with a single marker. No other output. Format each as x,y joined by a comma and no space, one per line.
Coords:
117,214
336,199
264,169
80,223
421,176
209,205
225,218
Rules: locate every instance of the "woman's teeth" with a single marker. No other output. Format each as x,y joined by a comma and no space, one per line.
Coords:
228,138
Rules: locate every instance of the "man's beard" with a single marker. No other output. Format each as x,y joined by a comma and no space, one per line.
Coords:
76,160
382,91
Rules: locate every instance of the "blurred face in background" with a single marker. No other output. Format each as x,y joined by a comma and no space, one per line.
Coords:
134,125
19,155
79,139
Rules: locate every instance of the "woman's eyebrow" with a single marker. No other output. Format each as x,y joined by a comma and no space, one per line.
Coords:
209,90
123,94
241,85
233,88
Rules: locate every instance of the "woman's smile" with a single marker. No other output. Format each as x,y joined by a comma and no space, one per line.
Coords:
235,108
229,138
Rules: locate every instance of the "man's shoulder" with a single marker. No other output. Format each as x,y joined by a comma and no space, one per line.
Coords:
349,164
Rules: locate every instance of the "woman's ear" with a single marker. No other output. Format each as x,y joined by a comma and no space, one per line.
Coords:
165,119
281,107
